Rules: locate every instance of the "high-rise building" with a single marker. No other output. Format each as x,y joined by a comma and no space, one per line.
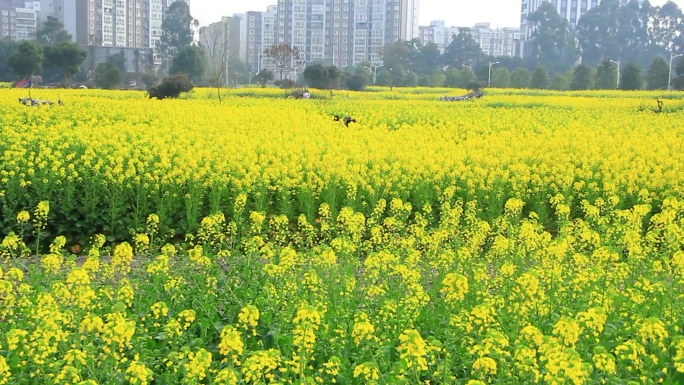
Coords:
259,34
492,41
496,42
220,45
111,23
343,32
19,20
438,33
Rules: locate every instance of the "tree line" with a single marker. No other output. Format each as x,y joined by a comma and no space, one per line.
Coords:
633,36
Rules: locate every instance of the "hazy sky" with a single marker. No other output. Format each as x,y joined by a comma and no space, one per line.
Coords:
502,13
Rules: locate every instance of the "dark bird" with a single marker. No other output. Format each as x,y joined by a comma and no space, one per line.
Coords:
660,107
347,119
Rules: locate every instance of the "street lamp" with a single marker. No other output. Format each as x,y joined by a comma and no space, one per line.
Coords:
489,82
375,73
467,66
617,85
669,77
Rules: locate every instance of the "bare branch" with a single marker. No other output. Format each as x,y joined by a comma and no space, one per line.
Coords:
216,41
282,55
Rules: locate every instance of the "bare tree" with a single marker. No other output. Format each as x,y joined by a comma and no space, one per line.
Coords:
283,56
215,39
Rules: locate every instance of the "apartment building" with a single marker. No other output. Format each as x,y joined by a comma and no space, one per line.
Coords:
438,33
492,41
345,32
496,42
259,33
19,20
220,41
111,23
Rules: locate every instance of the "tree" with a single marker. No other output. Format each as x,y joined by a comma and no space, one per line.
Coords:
459,78
678,81
177,28
427,58
558,82
482,73
7,48
632,31
52,32
410,79
27,59
401,54
540,78
396,76
581,79
631,78
283,55
118,60
215,42
335,75
316,76
188,61
463,50
66,56
107,76
383,78
424,80
606,75
501,78
597,33
148,79
666,29
552,44
520,78
437,78
658,74
264,76
171,87
356,83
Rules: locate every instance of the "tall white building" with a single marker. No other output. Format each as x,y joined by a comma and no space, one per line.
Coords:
345,32
571,10
492,41
156,14
438,33
19,20
498,41
27,20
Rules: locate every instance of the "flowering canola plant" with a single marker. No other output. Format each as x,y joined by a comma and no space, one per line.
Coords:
516,239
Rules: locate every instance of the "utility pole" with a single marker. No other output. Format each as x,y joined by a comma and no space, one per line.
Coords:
617,85
669,76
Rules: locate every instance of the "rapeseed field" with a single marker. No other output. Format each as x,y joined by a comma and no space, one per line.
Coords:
525,237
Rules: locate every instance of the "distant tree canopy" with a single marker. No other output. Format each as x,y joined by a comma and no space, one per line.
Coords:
177,27
27,59
189,61
107,76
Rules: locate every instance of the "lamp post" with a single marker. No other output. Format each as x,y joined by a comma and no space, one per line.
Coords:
617,83
489,82
467,66
669,76
375,73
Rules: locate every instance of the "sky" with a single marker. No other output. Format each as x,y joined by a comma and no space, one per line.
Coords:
459,13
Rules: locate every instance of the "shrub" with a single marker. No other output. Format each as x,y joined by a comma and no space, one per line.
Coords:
171,87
